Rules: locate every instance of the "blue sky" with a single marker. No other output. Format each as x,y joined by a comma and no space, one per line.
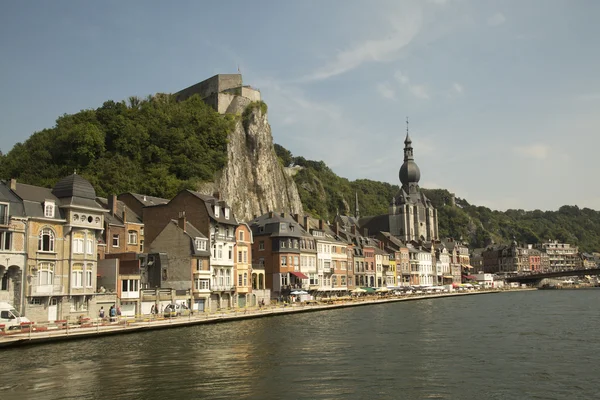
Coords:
503,97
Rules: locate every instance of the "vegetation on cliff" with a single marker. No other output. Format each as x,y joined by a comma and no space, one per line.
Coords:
155,146
323,194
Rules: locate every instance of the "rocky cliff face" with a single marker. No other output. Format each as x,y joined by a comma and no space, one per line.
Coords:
254,182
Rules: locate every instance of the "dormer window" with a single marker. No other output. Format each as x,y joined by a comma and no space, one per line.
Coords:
217,211
226,212
49,209
200,244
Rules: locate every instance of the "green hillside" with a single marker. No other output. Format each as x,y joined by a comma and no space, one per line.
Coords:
323,194
155,146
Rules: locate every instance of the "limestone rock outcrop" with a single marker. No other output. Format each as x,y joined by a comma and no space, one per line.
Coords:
254,182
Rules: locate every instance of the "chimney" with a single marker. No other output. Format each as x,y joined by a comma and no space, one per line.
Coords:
217,195
112,205
270,214
145,199
353,229
296,217
124,214
321,224
181,221
337,228
306,227
282,215
13,184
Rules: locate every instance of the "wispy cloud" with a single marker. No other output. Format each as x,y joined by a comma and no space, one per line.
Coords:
536,151
496,19
417,90
385,90
458,88
402,31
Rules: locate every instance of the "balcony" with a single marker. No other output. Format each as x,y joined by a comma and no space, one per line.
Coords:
222,288
46,290
130,295
222,237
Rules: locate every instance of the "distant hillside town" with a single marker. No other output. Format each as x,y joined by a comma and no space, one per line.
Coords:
66,253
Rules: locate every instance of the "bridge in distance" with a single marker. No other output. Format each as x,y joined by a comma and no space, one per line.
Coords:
536,278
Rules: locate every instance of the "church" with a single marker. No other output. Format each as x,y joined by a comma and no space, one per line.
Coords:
411,215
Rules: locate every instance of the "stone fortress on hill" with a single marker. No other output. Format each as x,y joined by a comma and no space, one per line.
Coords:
226,93
253,182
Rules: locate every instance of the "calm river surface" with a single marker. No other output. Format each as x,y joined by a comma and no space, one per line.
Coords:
520,345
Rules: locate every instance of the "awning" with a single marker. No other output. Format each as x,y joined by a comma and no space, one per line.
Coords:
466,266
299,275
448,276
369,289
470,277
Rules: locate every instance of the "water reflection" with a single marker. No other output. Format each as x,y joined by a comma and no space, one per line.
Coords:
493,346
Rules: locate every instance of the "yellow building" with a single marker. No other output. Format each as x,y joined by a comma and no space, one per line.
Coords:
63,225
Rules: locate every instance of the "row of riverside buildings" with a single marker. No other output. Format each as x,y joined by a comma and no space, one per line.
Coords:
66,253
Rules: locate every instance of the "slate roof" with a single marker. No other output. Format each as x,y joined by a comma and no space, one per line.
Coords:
268,223
130,215
74,186
378,223
210,201
33,198
149,200
15,207
192,233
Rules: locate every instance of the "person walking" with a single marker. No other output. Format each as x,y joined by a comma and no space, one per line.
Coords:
112,313
101,313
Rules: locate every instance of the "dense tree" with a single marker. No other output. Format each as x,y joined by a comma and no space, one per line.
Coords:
155,146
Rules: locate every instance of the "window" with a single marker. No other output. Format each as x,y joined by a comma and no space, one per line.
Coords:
230,253
46,242
284,280
217,211
245,279
78,243
202,284
89,246
261,245
226,212
261,262
5,240
220,253
283,260
296,261
45,274
240,279
239,256
49,209
142,231
132,237
142,246
245,257
314,279
129,285
200,244
89,275
283,243
77,276
4,214
241,236
115,241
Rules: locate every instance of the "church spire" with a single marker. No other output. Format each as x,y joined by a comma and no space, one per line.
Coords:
356,212
408,150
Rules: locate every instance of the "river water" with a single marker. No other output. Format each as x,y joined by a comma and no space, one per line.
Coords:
517,345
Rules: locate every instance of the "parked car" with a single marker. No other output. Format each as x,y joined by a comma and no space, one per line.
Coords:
176,310
9,317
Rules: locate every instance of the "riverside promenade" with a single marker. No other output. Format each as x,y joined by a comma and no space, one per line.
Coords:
61,331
